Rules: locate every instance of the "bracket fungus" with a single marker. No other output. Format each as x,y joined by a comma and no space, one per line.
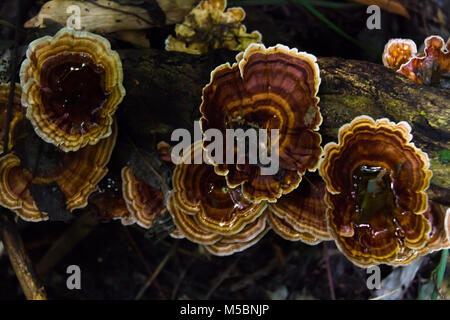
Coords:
398,52
108,202
376,179
281,227
75,173
144,202
208,26
301,214
432,67
71,87
220,245
267,88
208,212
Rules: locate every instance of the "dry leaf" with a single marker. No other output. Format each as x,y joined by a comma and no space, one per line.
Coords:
100,16
388,5
176,10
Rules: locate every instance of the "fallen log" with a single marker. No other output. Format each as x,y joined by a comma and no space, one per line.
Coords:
164,93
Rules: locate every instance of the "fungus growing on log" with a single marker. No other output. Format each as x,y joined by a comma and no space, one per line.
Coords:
431,68
71,87
206,211
144,202
75,173
208,26
198,191
271,89
108,202
397,52
376,179
304,209
286,231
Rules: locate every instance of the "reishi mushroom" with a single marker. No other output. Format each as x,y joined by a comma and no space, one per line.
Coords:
376,179
71,87
267,88
208,212
208,26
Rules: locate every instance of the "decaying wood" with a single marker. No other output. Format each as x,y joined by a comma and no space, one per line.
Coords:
164,93
20,261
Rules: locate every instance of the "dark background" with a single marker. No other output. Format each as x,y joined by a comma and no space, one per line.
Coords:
116,261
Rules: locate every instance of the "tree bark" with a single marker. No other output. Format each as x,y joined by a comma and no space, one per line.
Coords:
164,93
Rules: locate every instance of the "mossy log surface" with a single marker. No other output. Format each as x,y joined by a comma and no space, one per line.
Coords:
164,93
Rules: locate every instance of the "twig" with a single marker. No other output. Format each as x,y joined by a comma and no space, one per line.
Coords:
20,261
329,274
143,260
78,231
157,271
181,277
222,277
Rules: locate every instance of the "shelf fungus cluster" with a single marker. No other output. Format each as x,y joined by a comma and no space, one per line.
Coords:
271,89
206,211
76,174
300,215
208,26
432,67
71,87
229,207
376,179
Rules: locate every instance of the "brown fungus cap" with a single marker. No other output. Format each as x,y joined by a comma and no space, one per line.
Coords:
199,192
286,231
108,202
206,211
208,26
76,173
439,218
268,88
72,85
304,209
14,192
397,52
144,202
376,179
188,227
241,241
432,67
